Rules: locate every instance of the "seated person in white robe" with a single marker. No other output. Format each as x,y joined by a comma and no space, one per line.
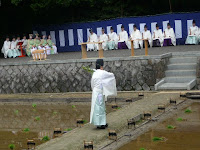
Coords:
14,52
169,36
157,37
112,40
6,47
123,39
137,37
103,38
146,35
103,85
192,37
92,38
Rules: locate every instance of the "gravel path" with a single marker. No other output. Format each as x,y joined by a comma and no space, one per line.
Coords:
113,53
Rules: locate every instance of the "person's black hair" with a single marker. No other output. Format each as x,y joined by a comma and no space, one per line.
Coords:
99,63
134,26
90,30
111,28
168,24
157,25
145,26
122,26
193,21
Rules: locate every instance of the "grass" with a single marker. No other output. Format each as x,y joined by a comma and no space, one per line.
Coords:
142,149
69,129
45,138
188,111
11,146
157,139
37,118
171,127
26,130
73,106
179,119
34,105
16,112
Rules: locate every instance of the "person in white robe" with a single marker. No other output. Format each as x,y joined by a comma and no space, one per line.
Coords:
103,85
14,52
146,35
123,39
103,38
112,40
158,37
6,47
192,37
137,37
169,36
92,38
25,42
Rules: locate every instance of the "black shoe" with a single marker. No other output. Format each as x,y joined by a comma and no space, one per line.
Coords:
101,127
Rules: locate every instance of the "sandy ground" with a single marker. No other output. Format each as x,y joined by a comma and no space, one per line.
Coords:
117,120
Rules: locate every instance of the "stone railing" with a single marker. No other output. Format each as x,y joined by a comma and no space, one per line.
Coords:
132,73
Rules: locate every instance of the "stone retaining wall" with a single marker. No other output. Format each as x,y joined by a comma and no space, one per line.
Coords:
138,73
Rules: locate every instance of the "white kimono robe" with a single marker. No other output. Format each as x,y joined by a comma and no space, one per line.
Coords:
137,37
25,43
6,48
14,52
123,37
112,40
193,34
147,35
103,85
169,34
104,38
92,38
158,35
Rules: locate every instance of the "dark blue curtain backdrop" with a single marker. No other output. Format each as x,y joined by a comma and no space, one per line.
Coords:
114,22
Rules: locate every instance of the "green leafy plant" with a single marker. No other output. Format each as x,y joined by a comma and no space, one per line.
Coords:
157,139
171,127
179,119
34,105
26,130
118,107
37,118
16,112
188,111
55,113
11,146
88,69
69,129
45,138
142,149
73,106
84,121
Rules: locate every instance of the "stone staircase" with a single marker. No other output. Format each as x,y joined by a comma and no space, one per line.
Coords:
180,74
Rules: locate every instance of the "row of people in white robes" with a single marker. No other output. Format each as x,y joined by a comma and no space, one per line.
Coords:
47,49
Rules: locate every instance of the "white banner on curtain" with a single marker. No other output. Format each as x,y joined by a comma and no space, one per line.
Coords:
88,32
62,38
53,36
108,29
130,27
142,27
189,24
165,24
119,28
178,29
80,36
35,32
153,26
71,37
99,32
44,33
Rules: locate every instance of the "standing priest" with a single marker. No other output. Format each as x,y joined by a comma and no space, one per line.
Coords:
169,36
193,34
103,85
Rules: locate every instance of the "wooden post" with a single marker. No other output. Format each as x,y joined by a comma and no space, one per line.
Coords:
132,48
84,51
100,50
146,47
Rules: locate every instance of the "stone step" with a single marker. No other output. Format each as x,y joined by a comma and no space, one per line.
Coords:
175,73
173,86
177,60
182,66
179,79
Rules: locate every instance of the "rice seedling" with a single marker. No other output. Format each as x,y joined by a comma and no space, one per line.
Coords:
73,106
55,113
171,127
179,119
34,105
142,149
69,129
157,139
11,146
37,118
188,111
16,112
84,121
26,129
45,138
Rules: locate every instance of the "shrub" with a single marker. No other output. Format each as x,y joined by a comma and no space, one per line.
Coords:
11,146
